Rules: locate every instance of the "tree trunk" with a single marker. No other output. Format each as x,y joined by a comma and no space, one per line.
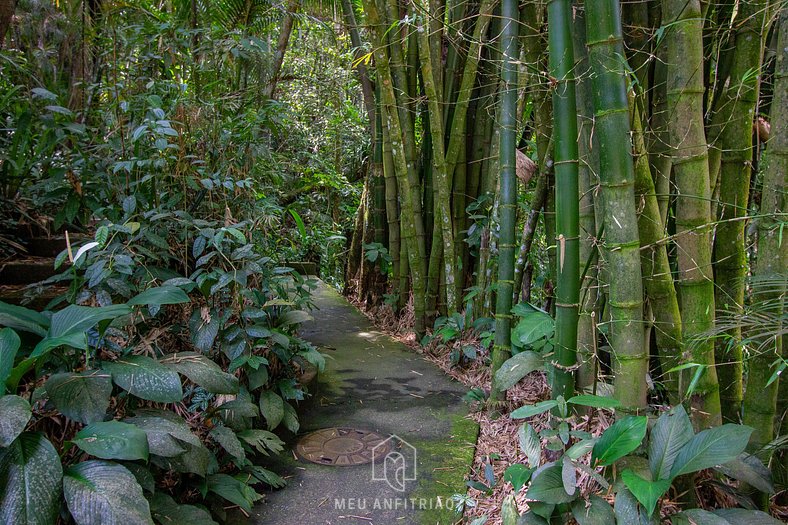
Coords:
7,8
281,47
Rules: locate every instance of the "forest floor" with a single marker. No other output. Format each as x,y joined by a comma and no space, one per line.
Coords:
375,383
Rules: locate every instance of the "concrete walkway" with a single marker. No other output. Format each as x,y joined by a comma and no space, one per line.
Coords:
374,383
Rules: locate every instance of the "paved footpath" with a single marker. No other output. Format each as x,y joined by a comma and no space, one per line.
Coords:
375,383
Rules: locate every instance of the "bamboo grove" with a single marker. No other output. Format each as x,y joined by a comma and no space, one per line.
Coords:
629,156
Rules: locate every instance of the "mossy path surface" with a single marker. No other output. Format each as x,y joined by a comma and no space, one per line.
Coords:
375,383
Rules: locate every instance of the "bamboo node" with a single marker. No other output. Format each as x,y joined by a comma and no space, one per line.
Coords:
565,368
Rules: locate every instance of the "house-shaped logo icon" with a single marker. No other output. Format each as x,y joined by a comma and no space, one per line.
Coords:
396,467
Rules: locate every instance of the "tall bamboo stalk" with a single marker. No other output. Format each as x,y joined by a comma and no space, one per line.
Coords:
736,115
760,401
657,276
392,212
622,242
689,152
508,189
559,20
403,165
587,182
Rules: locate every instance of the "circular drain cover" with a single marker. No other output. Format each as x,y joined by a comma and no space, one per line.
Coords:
343,446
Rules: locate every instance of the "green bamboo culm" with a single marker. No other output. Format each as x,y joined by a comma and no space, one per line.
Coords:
657,279
617,181
507,207
567,198
689,153
760,407
735,117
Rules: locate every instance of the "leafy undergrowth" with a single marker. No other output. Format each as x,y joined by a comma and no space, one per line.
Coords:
504,460
142,395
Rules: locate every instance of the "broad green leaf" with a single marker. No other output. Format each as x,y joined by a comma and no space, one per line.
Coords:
647,492
143,476
262,440
509,512
587,400
113,440
69,325
30,474
533,327
14,415
9,344
197,459
233,490
272,408
166,511
548,486
751,470
24,319
204,327
518,475
165,294
146,378
266,476
746,517
628,511
167,434
580,448
532,410
624,436
530,444
230,443
290,419
594,511
569,475
697,517
293,317
710,447
202,371
100,492
672,431
516,368
81,396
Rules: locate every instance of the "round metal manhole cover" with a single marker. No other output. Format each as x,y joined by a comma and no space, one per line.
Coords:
343,446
